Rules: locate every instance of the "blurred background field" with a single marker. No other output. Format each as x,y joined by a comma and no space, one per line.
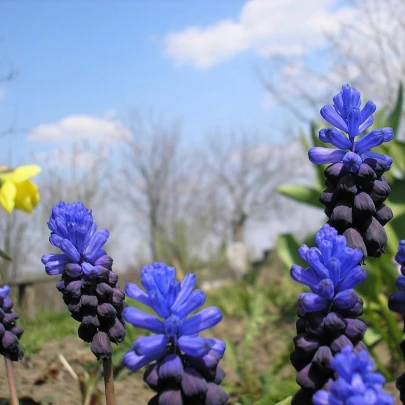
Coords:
185,128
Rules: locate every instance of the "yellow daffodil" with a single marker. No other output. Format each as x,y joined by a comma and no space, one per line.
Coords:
16,190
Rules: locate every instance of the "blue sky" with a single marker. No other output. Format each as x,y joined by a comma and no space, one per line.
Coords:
102,59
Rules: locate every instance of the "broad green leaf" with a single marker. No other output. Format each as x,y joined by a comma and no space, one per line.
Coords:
287,249
301,193
5,256
371,337
394,117
269,400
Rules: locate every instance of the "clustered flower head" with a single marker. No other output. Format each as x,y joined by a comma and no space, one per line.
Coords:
356,382
328,315
88,284
10,333
185,368
356,188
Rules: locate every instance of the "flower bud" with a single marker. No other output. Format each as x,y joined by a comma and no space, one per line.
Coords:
329,197
151,376
347,186
219,375
381,190
117,297
106,310
307,344
104,291
88,301
383,214
377,165
342,217
73,270
335,323
375,238
171,396
117,332
335,171
322,359
9,341
363,207
112,279
101,346
215,395
171,369
7,304
17,331
355,329
193,384
73,289
355,240
309,378
339,343
366,176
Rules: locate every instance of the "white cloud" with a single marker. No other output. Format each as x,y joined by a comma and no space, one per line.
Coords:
81,127
268,27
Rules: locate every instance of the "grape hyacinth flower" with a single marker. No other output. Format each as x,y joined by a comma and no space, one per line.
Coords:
185,367
356,188
10,333
88,284
327,315
357,383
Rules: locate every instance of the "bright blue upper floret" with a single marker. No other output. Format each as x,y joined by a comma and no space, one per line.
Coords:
74,232
356,383
345,115
334,271
173,302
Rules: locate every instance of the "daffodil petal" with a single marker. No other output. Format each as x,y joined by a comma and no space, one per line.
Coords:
27,196
8,192
23,173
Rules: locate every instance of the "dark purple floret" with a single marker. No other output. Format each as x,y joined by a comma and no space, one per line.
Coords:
88,284
10,333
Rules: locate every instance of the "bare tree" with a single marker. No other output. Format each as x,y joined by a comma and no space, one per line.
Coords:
159,184
15,241
244,174
367,51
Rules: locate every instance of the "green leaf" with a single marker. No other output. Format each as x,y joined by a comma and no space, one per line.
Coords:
287,249
300,193
394,118
5,256
269,400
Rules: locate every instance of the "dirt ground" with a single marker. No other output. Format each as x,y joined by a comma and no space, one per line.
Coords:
44,378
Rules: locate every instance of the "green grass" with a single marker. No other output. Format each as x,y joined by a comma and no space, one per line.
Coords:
46,326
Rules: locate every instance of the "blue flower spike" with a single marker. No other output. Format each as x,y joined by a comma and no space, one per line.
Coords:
356,382
185,365
88,284
356,188
328,314
10,333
